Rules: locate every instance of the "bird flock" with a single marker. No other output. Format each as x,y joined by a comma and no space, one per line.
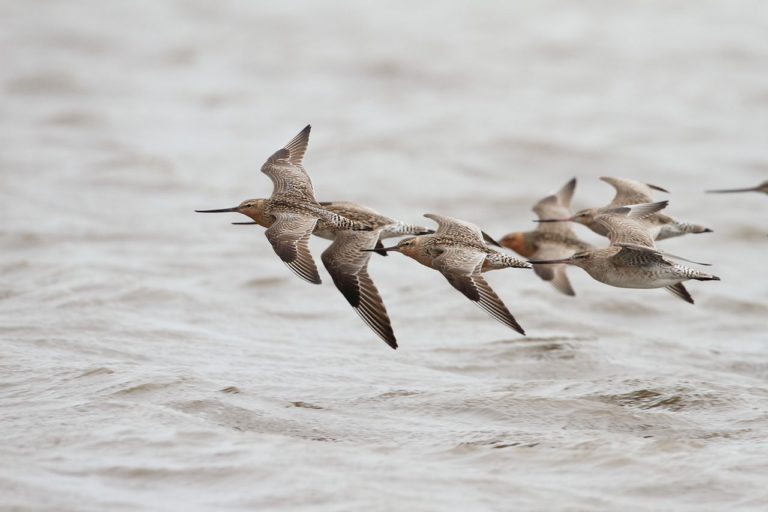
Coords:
460,250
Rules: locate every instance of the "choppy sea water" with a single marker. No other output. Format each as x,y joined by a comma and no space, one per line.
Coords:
155,359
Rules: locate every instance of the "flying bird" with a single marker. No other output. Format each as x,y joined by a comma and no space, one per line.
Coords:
294,209
632,260
631,192
551,240
458,251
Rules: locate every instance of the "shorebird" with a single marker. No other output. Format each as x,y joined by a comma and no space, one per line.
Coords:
294,209
390,228
632,260
551,240
346,259
763,187
631,192
458,251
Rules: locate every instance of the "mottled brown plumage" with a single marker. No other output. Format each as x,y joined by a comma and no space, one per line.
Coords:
346,259
291,212
458,251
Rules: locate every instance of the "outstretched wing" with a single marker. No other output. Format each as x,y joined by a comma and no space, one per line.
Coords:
554,273
347,262
287,173
630,191
457,229
625,223
556,206
289,236
461,266
680,290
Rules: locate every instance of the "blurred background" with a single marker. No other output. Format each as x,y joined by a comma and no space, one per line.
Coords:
155,359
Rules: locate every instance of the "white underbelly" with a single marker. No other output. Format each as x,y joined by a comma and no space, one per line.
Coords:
635,278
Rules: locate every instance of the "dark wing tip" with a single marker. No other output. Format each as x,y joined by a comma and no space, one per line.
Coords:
379,249
680,291
656,187
308,274
490,240
296,147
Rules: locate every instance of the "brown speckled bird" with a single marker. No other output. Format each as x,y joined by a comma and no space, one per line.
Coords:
458,251
293,209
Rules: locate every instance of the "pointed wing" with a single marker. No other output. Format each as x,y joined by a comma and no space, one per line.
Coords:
561,281
285,170
461,266
623,230
289,236
679,290
348,265
630,191
556,273
625,225
556,206
457,229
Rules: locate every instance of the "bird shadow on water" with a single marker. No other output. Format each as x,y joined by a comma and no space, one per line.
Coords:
514,356
545,346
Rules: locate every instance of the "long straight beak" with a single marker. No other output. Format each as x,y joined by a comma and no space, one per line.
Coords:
732,190
380,249
554,220
221,210
549,262
251,223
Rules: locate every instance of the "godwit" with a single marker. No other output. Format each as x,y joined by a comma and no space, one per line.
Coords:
630,192
763,187
346,259
458,251
294,209
632,260
551,240
390,228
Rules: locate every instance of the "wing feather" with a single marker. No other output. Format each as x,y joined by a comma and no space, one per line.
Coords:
461,267
286,171
450,227
347,263
289,236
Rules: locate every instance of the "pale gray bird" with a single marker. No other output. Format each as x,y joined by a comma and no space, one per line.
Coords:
632,260
631,192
